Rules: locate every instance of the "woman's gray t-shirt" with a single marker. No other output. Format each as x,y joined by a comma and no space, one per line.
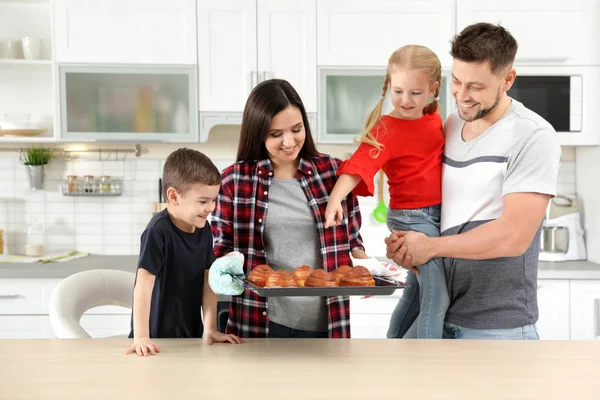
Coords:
291,239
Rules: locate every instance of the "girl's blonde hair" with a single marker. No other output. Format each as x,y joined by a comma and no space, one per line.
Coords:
411,57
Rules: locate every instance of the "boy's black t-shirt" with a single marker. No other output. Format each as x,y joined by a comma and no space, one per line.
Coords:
178,260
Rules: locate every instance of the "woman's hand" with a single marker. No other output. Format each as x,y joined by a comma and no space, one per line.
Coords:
215,336
143,346
334,213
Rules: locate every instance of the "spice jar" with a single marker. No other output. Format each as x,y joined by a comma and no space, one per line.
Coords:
105,186
88,184
72,184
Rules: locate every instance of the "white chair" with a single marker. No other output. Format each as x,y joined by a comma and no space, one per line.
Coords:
85,290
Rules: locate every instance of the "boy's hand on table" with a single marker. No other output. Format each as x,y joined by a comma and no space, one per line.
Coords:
215,336
143,347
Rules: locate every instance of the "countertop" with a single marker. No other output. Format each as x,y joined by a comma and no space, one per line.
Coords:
301,369
547,270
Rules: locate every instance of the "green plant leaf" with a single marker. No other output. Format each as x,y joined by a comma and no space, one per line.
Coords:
37,156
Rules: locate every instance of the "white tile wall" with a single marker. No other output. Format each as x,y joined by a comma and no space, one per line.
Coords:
109,225
113,225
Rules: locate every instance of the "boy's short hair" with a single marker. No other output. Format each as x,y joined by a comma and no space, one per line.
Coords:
482,42
184,167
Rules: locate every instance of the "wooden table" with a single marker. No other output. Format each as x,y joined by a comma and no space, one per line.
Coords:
301,369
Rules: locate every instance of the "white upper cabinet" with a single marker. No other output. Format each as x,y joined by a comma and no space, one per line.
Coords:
226,53
548,31
128,32
242,42
287,37
365,33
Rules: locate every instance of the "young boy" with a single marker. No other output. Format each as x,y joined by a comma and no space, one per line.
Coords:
171,289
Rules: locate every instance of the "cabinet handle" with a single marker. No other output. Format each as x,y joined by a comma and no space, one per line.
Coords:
596,319
10,296
252,77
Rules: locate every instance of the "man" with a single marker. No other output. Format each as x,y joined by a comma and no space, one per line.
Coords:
500,170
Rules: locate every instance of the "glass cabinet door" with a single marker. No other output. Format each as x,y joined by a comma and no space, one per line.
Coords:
128,103
347,96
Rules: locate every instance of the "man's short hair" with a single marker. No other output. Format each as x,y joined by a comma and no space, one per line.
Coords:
482,42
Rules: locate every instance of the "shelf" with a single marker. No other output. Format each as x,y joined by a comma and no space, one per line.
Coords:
29,4
32,139
92,194
9,61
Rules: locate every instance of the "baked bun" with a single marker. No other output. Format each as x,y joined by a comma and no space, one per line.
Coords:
259,275
340,271
357,276
301,273
281,278
320,278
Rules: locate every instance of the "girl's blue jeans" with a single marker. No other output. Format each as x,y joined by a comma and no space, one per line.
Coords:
424,302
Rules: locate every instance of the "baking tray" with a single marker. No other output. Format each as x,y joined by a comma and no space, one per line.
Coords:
383,287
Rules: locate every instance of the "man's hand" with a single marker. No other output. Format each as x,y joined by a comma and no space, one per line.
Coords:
395,249
215,336
143,347
414,250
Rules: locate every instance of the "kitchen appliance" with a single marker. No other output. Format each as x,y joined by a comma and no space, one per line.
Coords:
565,96
562,238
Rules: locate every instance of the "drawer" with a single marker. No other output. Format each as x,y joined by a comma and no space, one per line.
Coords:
102,326
26,296
373,305
25,327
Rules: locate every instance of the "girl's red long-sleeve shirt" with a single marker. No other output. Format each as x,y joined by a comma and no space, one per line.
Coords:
411,158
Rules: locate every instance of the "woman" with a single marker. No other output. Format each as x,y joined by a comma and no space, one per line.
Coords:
271,208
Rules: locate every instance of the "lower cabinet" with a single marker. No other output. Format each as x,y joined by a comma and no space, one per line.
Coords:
370,317
25,327
102,326
585,310
24,312
39,326
554,311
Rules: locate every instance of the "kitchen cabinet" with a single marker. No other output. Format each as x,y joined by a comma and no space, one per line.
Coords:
585,310
370,317
128,103
25,327
241,43
132,31
101,326
554,309
365,33
24,312
26,81
548,31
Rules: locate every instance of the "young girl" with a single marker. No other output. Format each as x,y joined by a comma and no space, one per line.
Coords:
408,145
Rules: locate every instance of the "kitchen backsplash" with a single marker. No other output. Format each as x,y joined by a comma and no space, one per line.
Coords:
112,225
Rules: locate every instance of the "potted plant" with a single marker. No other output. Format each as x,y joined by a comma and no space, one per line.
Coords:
35,158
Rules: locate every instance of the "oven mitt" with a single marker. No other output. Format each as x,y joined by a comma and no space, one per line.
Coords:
378,268
220,274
